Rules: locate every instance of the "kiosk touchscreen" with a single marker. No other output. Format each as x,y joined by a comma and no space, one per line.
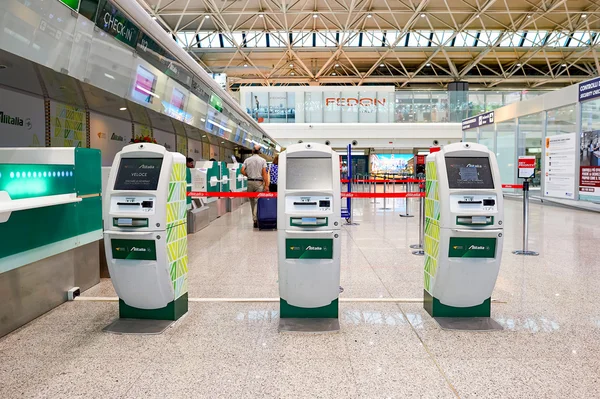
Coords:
463,230
145,232
308,226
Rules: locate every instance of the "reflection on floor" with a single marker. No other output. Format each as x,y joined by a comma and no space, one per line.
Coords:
549,346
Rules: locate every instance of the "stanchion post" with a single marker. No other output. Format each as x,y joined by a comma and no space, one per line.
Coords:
406,214
525,250
419,248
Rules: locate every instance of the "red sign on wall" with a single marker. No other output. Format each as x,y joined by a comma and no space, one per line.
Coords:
420,159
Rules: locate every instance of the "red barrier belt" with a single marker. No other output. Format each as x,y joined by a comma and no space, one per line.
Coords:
382,181
512,186
245,194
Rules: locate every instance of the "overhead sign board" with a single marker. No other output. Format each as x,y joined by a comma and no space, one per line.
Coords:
589,90
478,121
526,167
113,22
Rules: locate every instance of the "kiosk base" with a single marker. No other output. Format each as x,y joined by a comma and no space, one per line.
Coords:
138,326
307,325
435,308
468,323
173,311
324,312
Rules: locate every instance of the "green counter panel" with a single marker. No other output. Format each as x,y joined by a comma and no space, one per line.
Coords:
435,308
173,311
330,311
88,171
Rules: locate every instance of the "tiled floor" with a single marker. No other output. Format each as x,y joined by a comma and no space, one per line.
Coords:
550,310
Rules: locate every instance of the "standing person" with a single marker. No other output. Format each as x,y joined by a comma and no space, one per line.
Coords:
189,162
273,172
255,169
257,106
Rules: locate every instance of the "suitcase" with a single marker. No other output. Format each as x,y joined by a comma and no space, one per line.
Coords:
266,213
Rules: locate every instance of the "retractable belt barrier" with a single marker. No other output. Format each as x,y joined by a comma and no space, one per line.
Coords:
512,186
244,194
382,181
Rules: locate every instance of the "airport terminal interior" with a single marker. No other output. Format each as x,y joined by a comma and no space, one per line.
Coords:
312,199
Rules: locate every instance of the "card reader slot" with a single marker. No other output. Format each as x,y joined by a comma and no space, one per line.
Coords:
129,203
470,202
305,203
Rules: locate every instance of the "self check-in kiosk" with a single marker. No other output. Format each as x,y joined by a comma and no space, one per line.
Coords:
463,230
237,181
145,232
207,177
308,230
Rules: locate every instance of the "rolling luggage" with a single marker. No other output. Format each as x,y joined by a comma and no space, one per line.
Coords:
266,213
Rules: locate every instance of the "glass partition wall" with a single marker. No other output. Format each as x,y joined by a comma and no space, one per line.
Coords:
531,132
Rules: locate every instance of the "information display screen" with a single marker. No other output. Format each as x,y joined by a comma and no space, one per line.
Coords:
138,174
309,174
469,173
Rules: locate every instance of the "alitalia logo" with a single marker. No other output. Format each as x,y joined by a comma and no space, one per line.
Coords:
311,248
136,249
14,120
478,247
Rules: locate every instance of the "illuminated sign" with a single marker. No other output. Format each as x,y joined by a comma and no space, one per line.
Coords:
72,4
352,101
115,24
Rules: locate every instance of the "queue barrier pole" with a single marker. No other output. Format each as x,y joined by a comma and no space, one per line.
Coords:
525,251
419,247
408,187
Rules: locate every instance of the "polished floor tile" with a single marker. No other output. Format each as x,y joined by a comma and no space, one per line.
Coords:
547,306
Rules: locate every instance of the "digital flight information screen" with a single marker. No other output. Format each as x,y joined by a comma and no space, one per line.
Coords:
138,174
469,173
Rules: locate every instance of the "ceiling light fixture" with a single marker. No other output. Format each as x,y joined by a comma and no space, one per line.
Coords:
333,73
154,17
528,16
381,65
206,16
428,64
292,73
369,16
260,16
422,15
245,65
315,15
519,64
337,65
291,65
122,109
583,15
564,65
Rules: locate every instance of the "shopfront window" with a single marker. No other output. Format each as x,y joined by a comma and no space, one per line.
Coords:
506,151
486,137
470,136
531,132
589,189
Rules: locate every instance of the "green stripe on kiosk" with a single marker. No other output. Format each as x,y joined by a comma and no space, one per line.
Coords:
145,233
308,227
464,214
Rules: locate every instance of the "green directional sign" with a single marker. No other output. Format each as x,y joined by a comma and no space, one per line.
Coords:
72,4
216,102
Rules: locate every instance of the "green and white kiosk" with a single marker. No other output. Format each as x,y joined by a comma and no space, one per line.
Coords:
308,233
464,214
145,233
207,177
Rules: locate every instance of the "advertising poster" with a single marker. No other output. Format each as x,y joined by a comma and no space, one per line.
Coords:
68,125
165,139
144,85
194,149
390,163
526,166
21,120
560,166
109,135
589,171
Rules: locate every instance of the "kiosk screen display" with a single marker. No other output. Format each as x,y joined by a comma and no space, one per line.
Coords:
309,174
469,173
138,174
